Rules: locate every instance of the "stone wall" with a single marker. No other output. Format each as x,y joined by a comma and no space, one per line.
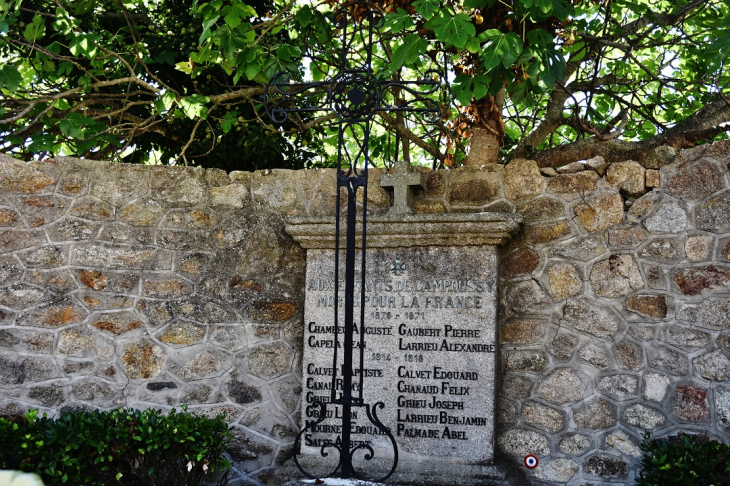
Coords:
157,286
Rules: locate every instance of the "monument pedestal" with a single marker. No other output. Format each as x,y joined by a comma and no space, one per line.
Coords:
430,332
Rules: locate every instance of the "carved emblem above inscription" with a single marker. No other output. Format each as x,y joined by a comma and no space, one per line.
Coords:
398,266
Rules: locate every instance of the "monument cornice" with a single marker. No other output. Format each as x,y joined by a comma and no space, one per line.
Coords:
410,230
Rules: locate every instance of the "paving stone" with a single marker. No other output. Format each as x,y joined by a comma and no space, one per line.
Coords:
629,354
563,385
564,281
559,470
714,214
599,414
698,248
692,281
685,338
522,179
520,442
644,417
623,443
575,444
595,355
690,403
714,366
591,318
710,314
616,276
655,387
600,210
669,217
666,359
522,331
619,387
628,176
693,181
581,248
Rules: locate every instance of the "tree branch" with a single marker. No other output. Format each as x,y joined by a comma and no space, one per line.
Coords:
405,133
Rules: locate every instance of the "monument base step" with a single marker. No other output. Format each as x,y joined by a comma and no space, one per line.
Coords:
412,473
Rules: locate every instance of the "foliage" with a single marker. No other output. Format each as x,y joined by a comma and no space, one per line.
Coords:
181,81
123,447
684,459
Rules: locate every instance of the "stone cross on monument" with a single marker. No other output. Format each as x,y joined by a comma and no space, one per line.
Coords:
404,182
355,94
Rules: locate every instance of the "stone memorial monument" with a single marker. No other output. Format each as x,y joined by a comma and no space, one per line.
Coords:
429,335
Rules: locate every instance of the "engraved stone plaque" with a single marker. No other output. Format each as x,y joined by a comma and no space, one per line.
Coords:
429,355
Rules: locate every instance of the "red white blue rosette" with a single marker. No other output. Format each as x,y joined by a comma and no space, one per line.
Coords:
530,461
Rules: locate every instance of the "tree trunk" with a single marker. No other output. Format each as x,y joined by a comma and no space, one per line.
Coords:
488,131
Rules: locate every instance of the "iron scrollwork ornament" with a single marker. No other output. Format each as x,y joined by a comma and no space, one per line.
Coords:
355,94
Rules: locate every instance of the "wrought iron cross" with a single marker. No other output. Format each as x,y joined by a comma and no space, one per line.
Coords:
355,94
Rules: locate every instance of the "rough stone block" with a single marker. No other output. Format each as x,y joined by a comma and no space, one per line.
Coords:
523,261
663,250
628,176
200,363
722,407
233,196
142,359
692,281
178,187
685,338
629,353
17,176
652,178
599,414
713,366
527,297
541,208
522,179
619,387
714,214
591,318
471,186
559,470
117,323
710,314
690,403
643,417
616,276
520,442
573,186
562,346
667,359
600,210
623,443
605,466
522,331
516,386
564,385
564,281
694,180
546,232
106,255
526,360
55,314
626,237
182,333
669,217
698,248
595,355
655,387
575,444
581,248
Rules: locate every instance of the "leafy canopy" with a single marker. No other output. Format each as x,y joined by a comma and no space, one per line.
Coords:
176,81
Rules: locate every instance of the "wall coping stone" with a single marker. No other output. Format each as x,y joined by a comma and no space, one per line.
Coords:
383,231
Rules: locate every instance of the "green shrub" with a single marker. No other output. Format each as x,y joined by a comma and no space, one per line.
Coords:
120,447
684,459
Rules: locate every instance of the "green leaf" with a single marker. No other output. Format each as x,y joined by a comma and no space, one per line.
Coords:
84,44
36,29
304,16
83,6
72,125
207,24
452,29
502,48
10,78
63,23
427,8
118,476
407,53
398,21
184,66
194,106
286,52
